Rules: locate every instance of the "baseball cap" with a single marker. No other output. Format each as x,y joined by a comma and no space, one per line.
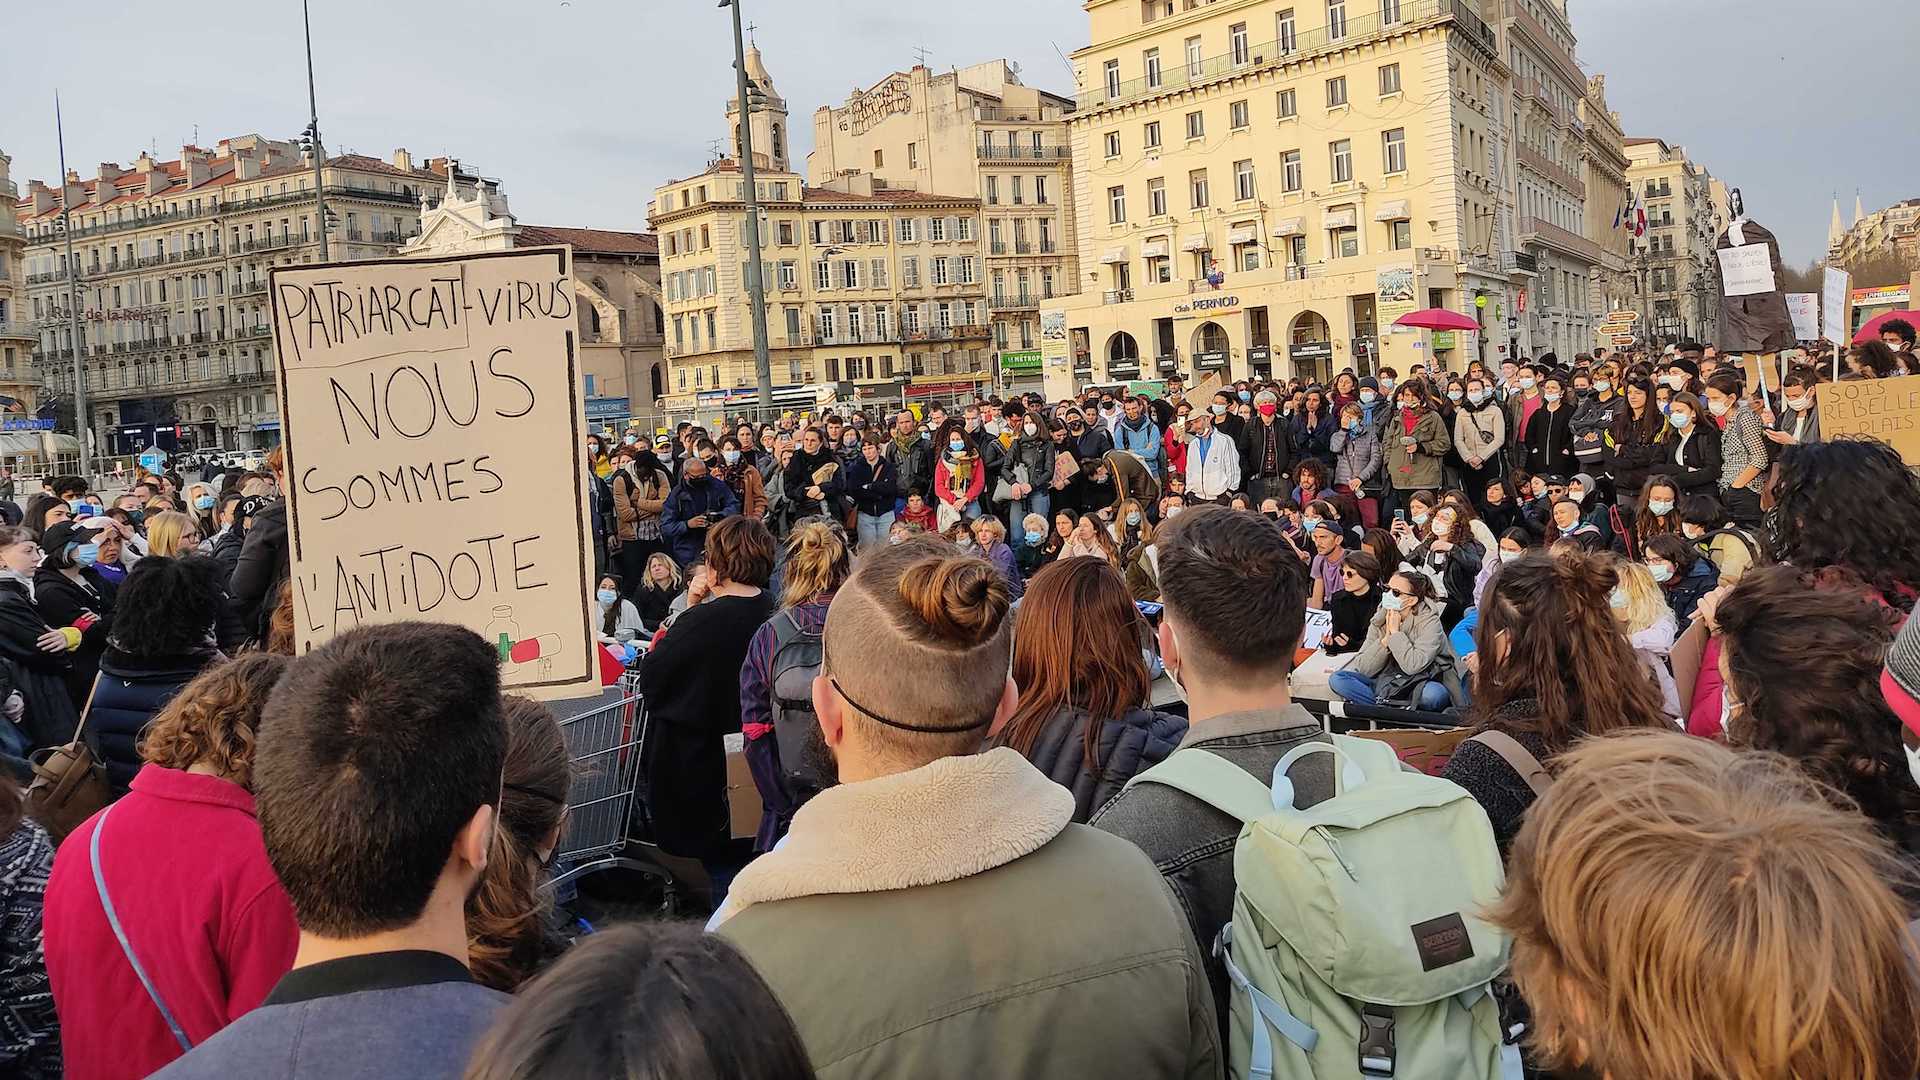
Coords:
56,539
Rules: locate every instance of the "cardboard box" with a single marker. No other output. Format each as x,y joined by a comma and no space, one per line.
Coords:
743,798
1427,751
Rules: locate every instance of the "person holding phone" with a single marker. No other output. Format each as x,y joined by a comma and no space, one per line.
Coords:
1416,444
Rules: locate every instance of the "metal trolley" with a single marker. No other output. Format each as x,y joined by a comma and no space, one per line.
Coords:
603,735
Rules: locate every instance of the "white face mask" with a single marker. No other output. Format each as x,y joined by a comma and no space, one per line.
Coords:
1677,382
1603,386
1719,408
1801,403
1527,382
1508,556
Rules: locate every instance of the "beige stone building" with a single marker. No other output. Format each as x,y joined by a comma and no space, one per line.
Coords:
616,276
1890,233
1686,208
172,262
872,288
19,383
976,132
1263,188
1606,182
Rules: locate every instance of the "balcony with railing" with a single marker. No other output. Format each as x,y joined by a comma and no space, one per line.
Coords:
1303,45
1000,114
1544,44
1117,296
1025,153
1021,302
219,210
1545,166
1546,233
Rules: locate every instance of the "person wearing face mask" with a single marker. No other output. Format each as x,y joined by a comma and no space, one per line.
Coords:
1130,529
1030,548
1704,524
1213,462
1743,446
1798,421
1416,446
69,592
1592,420
1693,458
1402,661
1523,400
1374,407
696,504
1479,436
1548,437
1659,513
1641,441
1451,555
739,473
1028,467
1682,376
1584,490
1682,572
958,478
1268,448
1803,668
1357,462
640,486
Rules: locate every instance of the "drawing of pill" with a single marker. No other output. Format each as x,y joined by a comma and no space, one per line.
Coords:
530,649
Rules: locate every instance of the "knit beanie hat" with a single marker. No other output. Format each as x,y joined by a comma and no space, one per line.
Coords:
1900,682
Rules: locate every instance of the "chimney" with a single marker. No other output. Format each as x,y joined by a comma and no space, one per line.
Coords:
143,163
158,181
195,161
41,195
245,166
74,193
403,160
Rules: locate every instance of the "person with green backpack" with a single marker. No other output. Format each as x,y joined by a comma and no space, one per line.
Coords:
1338,895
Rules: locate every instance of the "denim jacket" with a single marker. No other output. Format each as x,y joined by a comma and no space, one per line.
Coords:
1192,843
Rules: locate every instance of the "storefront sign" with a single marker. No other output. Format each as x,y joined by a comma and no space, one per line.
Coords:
1260,354
607,408
1025,360
1442,339
1209,361
433,427
1311,350
26,425
1200,304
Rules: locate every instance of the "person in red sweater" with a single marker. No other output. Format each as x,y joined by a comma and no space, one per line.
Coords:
181,859
919,513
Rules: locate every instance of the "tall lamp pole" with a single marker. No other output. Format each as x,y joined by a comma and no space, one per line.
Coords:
82,423
313,137
756,288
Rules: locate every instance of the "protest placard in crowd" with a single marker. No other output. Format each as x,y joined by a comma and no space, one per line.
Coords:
433,431
1885,409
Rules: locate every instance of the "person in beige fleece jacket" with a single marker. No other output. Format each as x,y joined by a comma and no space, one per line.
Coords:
937,913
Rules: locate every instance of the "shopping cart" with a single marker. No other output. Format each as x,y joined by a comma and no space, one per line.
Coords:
603,736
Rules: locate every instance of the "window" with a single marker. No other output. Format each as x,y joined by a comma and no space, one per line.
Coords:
1283,32
1046,236
1296,251
1193,58
1113,79
937,230
903,230
879,159
1153,67
877,274
784,234
1346,243
993,191
913,155
1243,180
1342,152
822,274
1159,270
1400,235
968,270
1018,197
1389,12
1153,135
1156,198
1116,205
1040,191
1237,115
966,227
940,271
1395,149
1237,41
789,275
910,272
1336,92
1197,189
1196,125
1290,171
1286,105
1336,19
1389,79
793,323
1113,144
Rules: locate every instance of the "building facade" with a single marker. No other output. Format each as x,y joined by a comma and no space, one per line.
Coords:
19,382
1889,234
1686,209
172,260
872,289
976,132
1262,189
1606,182
616,276
1549,194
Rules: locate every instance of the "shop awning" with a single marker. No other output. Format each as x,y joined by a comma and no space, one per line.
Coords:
62,444
1156,249
1292,226
1397,210
1114,255
1337,219
1244,234
14,443
1198,242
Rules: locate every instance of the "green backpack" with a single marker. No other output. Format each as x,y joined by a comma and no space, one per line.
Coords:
1356,935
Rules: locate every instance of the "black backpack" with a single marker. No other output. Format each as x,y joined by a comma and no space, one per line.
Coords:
796,662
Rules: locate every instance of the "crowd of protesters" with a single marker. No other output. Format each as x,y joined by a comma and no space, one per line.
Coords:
969,655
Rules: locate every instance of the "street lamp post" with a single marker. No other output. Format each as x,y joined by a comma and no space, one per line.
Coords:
756,287
313,135
82,423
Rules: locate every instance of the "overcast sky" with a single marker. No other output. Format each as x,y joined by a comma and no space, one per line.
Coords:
582,106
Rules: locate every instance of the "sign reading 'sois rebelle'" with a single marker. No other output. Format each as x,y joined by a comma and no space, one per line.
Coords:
1886,409
433,432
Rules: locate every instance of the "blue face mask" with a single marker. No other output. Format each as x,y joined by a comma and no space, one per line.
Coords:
135,517
1034,539
84,555
956,445
606,596
204,502
1133,517
1245,396
1309,523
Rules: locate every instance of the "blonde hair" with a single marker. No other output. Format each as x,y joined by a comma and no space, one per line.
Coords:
1748,926
675,579
164,531
1645,602
1035,523
990,524
817,562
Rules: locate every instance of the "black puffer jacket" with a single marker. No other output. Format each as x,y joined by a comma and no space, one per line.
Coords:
131,691
1135,742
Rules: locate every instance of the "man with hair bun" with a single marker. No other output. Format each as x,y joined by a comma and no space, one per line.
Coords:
975,931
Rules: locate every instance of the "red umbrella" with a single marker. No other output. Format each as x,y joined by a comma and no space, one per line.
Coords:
1437,319
1871,331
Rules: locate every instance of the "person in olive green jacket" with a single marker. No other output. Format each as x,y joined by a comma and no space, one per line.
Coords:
937,914
1416,442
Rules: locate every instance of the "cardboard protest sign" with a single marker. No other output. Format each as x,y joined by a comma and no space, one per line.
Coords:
1804,309
433,428
1886,409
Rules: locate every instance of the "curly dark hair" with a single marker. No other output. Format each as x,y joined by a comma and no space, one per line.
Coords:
1805,652
167,607
1849,503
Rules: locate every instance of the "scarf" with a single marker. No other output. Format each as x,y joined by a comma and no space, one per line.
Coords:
906,443
735,476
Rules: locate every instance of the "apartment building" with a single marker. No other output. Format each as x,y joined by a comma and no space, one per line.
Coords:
19,383
872,288
1686,208
976,132
1892,233
1607,188
1262,188
616,283
172,260
1549,195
